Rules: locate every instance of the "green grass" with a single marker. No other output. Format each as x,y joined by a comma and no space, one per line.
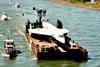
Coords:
84,4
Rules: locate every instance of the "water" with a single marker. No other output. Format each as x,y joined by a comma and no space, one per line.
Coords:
83,25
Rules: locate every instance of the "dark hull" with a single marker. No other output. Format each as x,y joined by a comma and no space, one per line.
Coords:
12,54
51,53
71,54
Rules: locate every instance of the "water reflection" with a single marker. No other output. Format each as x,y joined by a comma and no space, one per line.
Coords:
60,63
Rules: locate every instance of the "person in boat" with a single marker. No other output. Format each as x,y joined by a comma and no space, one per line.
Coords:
67,39
27,25
59,24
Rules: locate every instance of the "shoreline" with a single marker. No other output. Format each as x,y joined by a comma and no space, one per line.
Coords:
78,4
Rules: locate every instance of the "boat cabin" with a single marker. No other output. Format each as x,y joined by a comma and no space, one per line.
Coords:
9,43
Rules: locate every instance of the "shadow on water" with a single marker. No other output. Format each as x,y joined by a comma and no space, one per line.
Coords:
93,58
60,63
90,58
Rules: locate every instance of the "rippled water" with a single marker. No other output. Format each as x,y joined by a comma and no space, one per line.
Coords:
83,25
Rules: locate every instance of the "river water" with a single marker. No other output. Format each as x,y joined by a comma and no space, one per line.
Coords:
83,25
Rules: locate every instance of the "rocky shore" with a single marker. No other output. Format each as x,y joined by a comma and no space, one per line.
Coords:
87,5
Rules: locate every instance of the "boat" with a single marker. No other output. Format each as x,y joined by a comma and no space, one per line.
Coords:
17,5
10,50
4,17
49,42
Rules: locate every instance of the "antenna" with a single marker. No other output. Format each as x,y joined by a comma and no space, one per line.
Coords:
40,13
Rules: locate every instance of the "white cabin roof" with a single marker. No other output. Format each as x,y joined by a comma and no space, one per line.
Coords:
9,40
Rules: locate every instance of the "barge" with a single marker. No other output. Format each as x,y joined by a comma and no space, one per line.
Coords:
49,42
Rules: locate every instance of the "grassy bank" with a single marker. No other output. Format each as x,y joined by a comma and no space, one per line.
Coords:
89,5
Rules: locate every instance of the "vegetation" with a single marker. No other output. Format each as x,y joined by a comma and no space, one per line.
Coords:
84,3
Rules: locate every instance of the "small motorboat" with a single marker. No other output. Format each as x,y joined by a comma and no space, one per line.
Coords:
17,5
4,17
9,49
